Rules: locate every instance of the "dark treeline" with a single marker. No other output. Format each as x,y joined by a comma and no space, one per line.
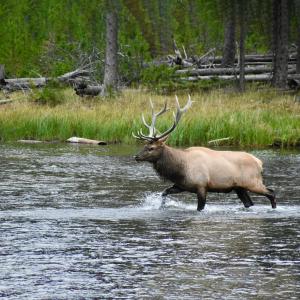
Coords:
53,37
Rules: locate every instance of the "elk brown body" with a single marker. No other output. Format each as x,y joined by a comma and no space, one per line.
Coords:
200,170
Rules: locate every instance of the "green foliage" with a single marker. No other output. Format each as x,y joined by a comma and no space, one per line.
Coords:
156,74
49,37
51,95
163,80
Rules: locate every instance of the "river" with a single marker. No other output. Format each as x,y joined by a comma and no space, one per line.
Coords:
84,222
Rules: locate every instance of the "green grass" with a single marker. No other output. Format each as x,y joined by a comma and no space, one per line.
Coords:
255,118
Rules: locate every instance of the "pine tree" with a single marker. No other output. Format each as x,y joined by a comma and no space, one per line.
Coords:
111,61
297,6
280,43
229,33
242,9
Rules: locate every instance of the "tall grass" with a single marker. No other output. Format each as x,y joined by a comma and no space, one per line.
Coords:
255,118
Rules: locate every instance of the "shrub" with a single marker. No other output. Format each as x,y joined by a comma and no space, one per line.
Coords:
51,95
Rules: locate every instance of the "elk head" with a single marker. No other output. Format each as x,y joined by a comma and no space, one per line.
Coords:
155,140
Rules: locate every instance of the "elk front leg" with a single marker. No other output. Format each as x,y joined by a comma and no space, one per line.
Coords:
174,189
201,195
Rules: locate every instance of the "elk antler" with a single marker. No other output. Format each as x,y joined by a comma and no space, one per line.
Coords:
152,130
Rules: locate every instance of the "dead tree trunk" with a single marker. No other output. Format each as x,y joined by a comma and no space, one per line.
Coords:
242,15
297,3
298,52
2,75
88,90
280,43
111,62
229,34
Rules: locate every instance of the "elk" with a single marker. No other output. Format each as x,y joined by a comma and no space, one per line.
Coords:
200,170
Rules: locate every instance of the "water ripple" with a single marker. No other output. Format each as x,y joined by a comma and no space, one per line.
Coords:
87,223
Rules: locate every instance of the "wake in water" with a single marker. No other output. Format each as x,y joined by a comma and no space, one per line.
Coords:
149,207
153,201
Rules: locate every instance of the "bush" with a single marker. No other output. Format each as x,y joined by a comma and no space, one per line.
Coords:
50,95
163,80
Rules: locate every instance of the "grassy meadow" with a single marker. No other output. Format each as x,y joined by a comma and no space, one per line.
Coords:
256,118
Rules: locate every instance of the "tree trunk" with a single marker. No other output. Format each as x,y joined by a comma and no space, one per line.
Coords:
2,75
297,4
111,62
165,33
229,34
242,15
280,43
298,52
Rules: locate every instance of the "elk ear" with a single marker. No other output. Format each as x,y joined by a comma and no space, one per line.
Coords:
164,139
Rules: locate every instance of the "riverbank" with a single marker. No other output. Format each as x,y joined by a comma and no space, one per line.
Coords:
257,118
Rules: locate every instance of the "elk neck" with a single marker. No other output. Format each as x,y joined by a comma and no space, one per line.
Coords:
170,165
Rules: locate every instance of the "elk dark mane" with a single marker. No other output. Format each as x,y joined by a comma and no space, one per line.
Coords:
170,166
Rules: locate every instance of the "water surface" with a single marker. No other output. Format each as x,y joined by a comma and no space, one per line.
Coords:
84,222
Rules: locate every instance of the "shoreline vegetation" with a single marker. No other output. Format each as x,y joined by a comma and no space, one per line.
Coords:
257,118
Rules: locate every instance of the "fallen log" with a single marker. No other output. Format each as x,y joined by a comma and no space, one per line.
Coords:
253,58
5,101
70,76
14,84
250,77
30,141
83,89
230,71
78,140
218,142
258,77
294,84
24,83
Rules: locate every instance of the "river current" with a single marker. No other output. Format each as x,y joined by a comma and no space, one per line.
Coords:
84,222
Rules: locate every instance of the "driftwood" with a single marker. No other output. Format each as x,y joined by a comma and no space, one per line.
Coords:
78,140
30,141
220,141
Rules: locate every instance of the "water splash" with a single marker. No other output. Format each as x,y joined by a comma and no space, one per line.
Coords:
153,201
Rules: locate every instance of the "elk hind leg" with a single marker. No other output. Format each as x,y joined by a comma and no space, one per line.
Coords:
244,197
201,195
269,193
271,196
